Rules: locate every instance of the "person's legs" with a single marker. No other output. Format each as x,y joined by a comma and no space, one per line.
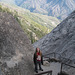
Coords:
36,67
40,66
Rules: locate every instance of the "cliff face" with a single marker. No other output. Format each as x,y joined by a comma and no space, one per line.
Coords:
15,48
61,39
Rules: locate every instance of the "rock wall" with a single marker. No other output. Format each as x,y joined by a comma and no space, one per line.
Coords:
61,40
15,48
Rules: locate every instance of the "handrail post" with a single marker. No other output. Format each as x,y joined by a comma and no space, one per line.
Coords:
49,60
51,73
46,72
0,71
61,67
54,55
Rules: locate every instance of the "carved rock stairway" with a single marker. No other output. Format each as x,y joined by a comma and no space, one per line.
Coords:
54,67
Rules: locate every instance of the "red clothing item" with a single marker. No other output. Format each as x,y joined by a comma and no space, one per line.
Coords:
38,56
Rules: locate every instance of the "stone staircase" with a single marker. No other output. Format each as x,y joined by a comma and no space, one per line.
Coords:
56,66
53,66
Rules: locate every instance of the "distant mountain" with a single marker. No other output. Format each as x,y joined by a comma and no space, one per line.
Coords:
12,2
56,8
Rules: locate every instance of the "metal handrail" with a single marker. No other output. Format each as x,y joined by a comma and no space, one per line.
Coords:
60,60
66,65
55,56
45,72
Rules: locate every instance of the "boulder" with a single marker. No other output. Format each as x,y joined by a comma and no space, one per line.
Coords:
15,48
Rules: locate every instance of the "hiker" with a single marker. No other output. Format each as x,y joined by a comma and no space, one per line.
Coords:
38,60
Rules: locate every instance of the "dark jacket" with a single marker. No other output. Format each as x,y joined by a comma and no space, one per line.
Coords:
35,58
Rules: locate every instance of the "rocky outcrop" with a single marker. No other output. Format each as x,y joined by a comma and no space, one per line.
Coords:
15,48
61,40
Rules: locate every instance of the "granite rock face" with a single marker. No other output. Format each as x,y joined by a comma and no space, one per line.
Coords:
15,48
61,40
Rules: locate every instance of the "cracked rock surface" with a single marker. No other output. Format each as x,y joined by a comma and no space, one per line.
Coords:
15,48
61,40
